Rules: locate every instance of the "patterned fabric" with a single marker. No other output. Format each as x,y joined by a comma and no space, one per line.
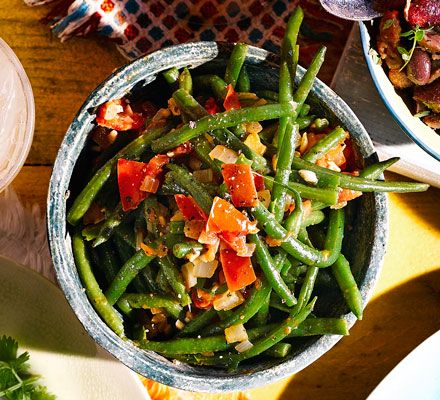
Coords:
141,26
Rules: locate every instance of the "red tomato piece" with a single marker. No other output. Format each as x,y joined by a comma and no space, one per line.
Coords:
130,177
224,217
118,115
259,182
238,271
184,148
240,183
201,299
211,106
189,208
236,242
231,101
156,164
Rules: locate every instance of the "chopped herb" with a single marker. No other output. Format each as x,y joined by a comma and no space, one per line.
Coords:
388,23
415,35
15,380
375,56
422,114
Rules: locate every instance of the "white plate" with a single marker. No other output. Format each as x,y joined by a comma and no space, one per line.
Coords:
416,377
35,313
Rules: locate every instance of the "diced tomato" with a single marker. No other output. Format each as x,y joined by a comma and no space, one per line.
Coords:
231,101
236,242
184,148
259,182
156,164
224,217
118,115
130,177
211,106
201,299
240,183
238,270
189,208
347,195
350,157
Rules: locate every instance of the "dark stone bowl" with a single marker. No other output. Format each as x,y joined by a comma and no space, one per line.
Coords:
364,244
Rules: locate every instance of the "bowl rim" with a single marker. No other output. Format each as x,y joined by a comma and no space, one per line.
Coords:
392,108
147,363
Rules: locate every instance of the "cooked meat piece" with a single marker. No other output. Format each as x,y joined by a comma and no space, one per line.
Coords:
423,12
419,67
435,74
388,40
433,121
429,95
399,79
431,41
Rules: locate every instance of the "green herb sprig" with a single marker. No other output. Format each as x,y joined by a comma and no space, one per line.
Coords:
16,383
415,35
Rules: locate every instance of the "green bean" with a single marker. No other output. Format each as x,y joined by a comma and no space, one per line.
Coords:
221,120
305,121
299,250
161,282
131,151
107,261
262,315
320,124
199,322
268,95
189,183
272,274
314,218
273,337
243,83
93,291
276,302
171,75
279,350
150,300
126,274
373,171
181,250
235,63
328,196
185,80
323,146
361,184
289,44
245,312
285,96
305,109
176,227
195,110
174,279
307,80
342,272
217,85
324,181
279,259
295,219
125,248
282,174
106,229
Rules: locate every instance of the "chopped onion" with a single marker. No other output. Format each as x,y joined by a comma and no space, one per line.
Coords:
308,176
250,248
332,166
112,110
178,216
253,127
194,163
208,238
223,154
204,269
254,143
139,239
179,324
204,175
193,228
150,184
193,255
188,275
244,346
264,196
211,251
304,143
236,333
228,300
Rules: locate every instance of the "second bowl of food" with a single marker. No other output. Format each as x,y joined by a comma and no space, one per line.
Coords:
159,225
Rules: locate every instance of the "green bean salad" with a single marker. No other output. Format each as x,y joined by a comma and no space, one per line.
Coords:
208,221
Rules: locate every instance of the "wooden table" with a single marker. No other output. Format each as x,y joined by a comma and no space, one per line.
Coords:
406,306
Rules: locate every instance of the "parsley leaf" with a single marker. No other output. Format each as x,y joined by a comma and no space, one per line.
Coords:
415,35
16,383
422,114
